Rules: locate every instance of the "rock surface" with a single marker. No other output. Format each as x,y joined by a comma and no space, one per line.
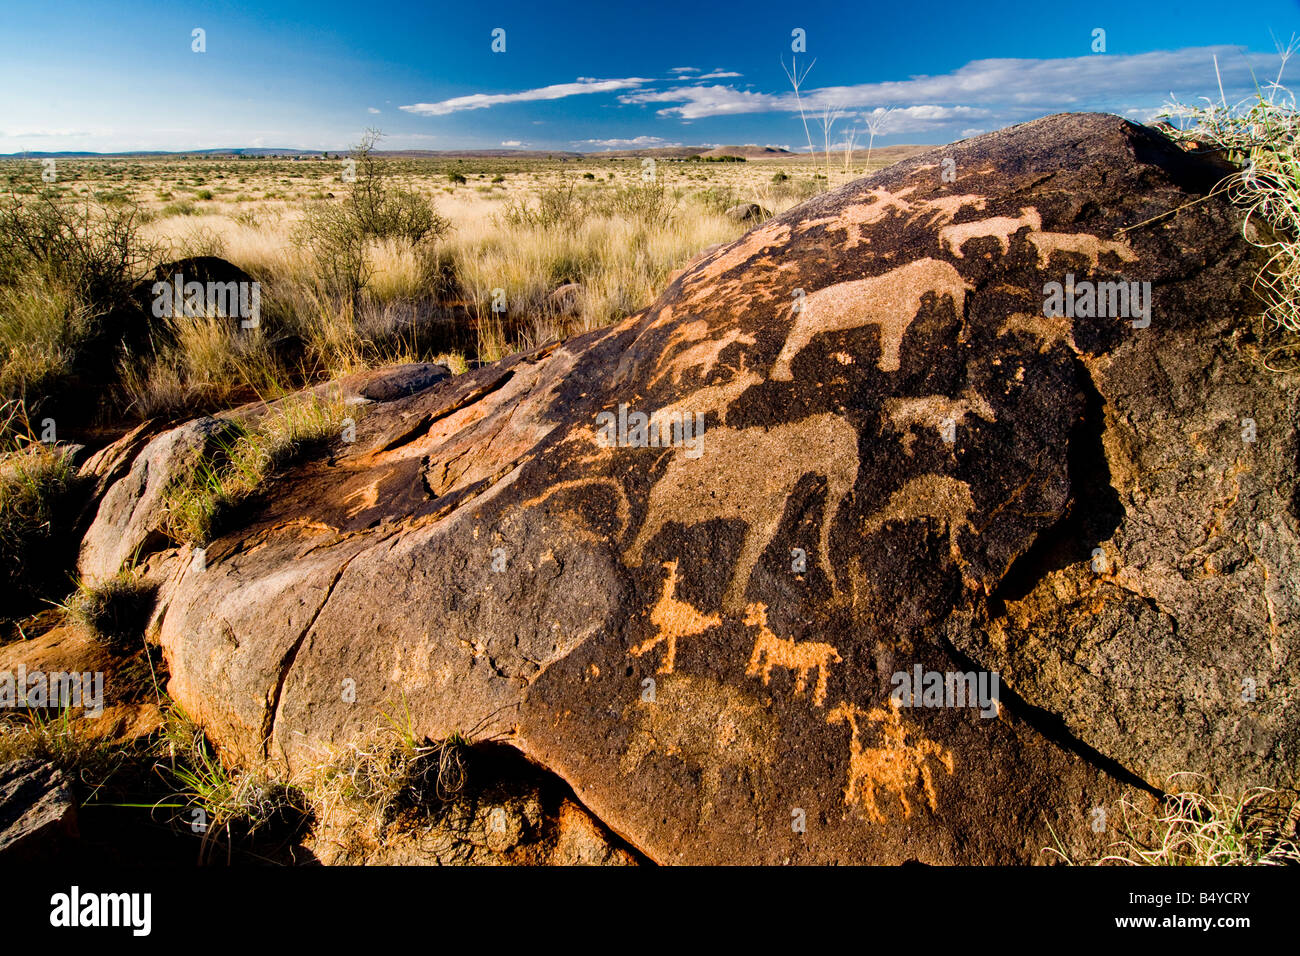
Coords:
906,463
747,212
36,809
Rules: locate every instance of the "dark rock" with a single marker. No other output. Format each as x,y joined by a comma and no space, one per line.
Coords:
37,811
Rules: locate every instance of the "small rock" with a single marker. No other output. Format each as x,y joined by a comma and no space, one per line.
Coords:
566,299
747,212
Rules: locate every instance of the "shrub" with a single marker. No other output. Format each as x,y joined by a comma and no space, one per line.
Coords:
116,611
338,234
557,206
648,204
38,494
1260,134
94,252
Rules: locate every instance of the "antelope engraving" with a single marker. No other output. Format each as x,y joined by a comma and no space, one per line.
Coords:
799,656
1002,228
890,301
748,474
894,768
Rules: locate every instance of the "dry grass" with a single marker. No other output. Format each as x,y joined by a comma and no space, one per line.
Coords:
1260,134
37,486
1192,827
237,467
436,239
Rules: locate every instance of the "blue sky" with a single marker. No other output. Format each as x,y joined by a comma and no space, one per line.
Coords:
121,74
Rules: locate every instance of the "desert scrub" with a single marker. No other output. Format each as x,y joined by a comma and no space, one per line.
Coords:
1192,827
38,497
43,327
240,462
199,361
1259,134
216,799
391,776
115,611
338,234
557,205
65,266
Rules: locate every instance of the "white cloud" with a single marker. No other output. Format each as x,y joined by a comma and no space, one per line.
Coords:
1017,86
478,101
718,75
685,69
638,142
372,110
511,142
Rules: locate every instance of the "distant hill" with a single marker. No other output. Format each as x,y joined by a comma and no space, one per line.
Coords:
749,152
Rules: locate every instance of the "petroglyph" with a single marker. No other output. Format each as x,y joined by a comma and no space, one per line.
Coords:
928,496
764,238
748,474
931,411
945,208
891,301
702,356
620,496
1081,243
894,768
799,656
1047,330
707,725
853,218
673,619
954,237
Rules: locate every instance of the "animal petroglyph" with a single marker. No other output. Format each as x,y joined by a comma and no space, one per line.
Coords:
703,356
799,656
894,768
932,410
1047,330
748,474
1081,243
945,208
672,620
620,496
890,301
954,237
709,727
881,202
928,496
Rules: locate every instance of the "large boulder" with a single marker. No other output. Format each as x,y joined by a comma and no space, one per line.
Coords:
911,465
131,512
